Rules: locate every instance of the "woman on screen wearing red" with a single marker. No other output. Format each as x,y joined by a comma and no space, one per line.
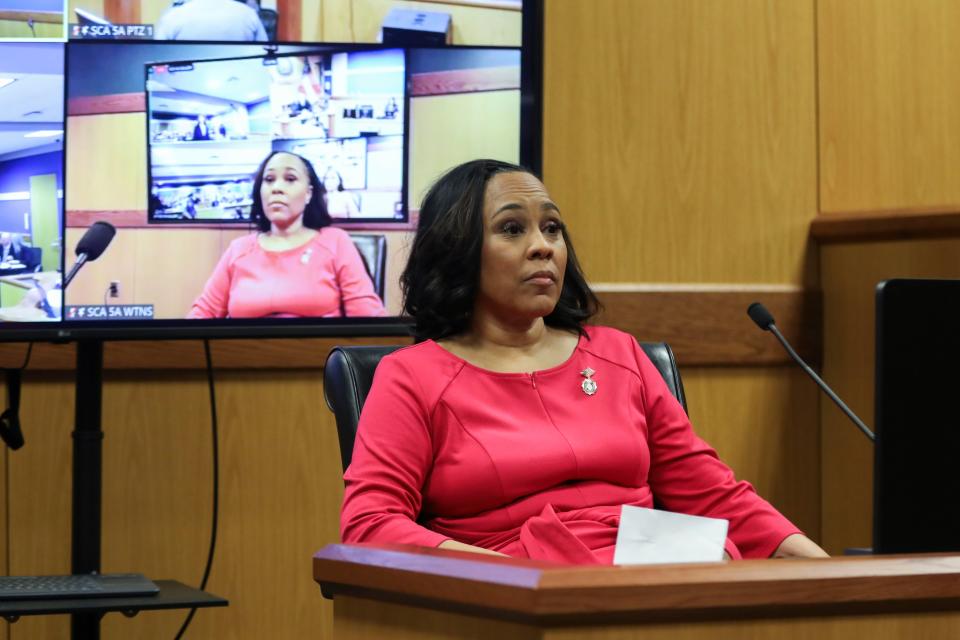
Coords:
297,265
513,427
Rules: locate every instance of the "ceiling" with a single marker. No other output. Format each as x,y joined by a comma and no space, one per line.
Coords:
244,81
34,101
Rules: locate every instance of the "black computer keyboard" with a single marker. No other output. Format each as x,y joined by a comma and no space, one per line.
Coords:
106,585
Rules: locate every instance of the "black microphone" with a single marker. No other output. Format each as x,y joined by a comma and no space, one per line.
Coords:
91,245
764,319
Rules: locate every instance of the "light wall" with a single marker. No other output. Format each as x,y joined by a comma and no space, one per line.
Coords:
93,6
20,29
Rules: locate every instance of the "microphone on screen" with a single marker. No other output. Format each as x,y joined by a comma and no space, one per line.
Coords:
764,319
91,245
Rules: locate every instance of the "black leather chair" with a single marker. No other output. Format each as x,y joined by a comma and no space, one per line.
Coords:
348,374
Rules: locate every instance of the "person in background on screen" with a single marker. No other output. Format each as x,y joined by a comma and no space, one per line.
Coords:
340,203
10,248
210,20
512,426
297,265
201,131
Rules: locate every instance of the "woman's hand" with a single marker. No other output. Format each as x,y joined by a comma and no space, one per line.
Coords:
799,546
461,546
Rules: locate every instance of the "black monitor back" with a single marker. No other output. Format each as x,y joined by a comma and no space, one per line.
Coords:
917,455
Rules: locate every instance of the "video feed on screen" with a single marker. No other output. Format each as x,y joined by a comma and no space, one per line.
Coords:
391,23
194,20
371,127
31,181
211,124
31,20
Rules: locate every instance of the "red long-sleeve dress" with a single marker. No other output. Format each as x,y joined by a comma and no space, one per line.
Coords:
530,465
322,278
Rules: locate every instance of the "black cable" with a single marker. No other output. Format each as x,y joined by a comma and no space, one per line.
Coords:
6,465
26,359
216,484
10,431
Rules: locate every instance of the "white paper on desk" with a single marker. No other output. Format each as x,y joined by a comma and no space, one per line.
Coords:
650,536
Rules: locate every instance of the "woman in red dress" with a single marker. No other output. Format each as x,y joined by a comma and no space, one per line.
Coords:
512,426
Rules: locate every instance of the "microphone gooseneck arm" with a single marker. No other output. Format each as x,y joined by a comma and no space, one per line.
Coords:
823,385
81,260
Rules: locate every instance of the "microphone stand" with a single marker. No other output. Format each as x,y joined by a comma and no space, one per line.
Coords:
823,385
87,476
81,260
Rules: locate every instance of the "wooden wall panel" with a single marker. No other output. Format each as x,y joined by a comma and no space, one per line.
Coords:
709,325
360,21
860,226
280,492
40,493
763,422
4,518
362,619
704,326
889,104
680,137
850,275
444,141
122,11
118,179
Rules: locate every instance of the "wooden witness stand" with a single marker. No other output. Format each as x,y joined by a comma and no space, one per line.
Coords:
415,593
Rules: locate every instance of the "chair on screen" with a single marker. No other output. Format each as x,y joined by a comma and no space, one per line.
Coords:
32,258
269,17
348,374
373,250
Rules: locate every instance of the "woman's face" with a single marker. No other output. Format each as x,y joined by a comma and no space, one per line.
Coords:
524,255
285,190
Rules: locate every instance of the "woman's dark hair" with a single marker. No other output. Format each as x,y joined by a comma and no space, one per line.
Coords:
443,273
337,174
315,214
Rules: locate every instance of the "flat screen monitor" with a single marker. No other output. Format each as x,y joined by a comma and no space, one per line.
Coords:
163,140
916,484
485,23
212,122
31,186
